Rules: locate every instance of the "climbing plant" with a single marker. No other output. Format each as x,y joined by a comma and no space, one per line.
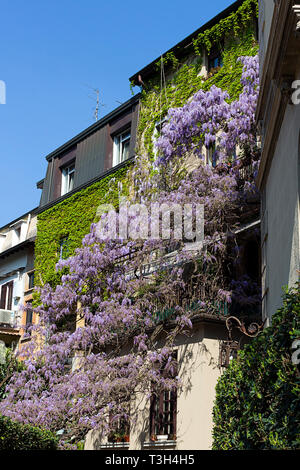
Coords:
69,221
184,76
257,402
100,313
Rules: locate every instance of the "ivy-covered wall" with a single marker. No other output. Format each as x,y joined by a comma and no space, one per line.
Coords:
71,220
234,35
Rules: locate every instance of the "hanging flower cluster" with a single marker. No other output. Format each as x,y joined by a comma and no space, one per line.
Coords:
209,119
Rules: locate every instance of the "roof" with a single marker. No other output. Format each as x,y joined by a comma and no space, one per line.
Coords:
150,69
94,127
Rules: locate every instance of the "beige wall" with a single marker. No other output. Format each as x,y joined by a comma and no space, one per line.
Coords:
199,371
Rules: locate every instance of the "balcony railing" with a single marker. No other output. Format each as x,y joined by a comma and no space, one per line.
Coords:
216,308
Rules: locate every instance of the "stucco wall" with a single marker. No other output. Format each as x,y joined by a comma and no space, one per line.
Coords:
281,195
199,371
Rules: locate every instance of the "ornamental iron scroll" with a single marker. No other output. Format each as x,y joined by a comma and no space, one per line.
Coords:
252,330
230,348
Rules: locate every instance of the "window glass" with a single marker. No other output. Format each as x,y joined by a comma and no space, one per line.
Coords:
163,407
31,280
121,147
68,175
64,248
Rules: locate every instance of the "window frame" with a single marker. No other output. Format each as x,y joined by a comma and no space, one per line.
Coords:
6,296
30,280
63,244
118,146
67,178
215,54
162,404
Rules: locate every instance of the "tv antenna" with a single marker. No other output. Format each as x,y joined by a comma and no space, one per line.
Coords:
98,104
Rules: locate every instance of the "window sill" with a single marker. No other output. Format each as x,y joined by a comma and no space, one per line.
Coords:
115,445
28,291
160,444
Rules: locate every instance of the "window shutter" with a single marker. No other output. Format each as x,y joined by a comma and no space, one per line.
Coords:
10,287
3,296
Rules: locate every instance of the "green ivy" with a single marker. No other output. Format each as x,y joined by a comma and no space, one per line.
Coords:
69,221
257,402
185,79
232,25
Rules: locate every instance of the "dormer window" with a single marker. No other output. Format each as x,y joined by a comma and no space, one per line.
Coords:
121,147
68,175
18,230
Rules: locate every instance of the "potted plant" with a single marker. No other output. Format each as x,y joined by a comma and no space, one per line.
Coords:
119,437
112,437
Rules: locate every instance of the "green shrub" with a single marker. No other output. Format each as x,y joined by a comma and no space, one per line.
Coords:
17,436
257,402
8,365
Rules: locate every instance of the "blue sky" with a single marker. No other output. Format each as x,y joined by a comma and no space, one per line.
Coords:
53,53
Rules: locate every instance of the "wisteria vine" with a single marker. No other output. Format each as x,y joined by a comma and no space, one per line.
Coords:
97,344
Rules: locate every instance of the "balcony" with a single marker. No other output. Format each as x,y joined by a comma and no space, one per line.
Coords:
8,319
9,330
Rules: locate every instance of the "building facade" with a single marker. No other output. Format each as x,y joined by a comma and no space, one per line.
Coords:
185,421
278,116
92,169
16,278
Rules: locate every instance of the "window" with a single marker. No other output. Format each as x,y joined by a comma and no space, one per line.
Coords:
163,408
29,317
121,147
211,156
29,313
30,280
6,296
68,174
63,248
119,421
214,59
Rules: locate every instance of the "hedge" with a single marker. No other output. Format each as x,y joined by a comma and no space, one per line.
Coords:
17,436
257,402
